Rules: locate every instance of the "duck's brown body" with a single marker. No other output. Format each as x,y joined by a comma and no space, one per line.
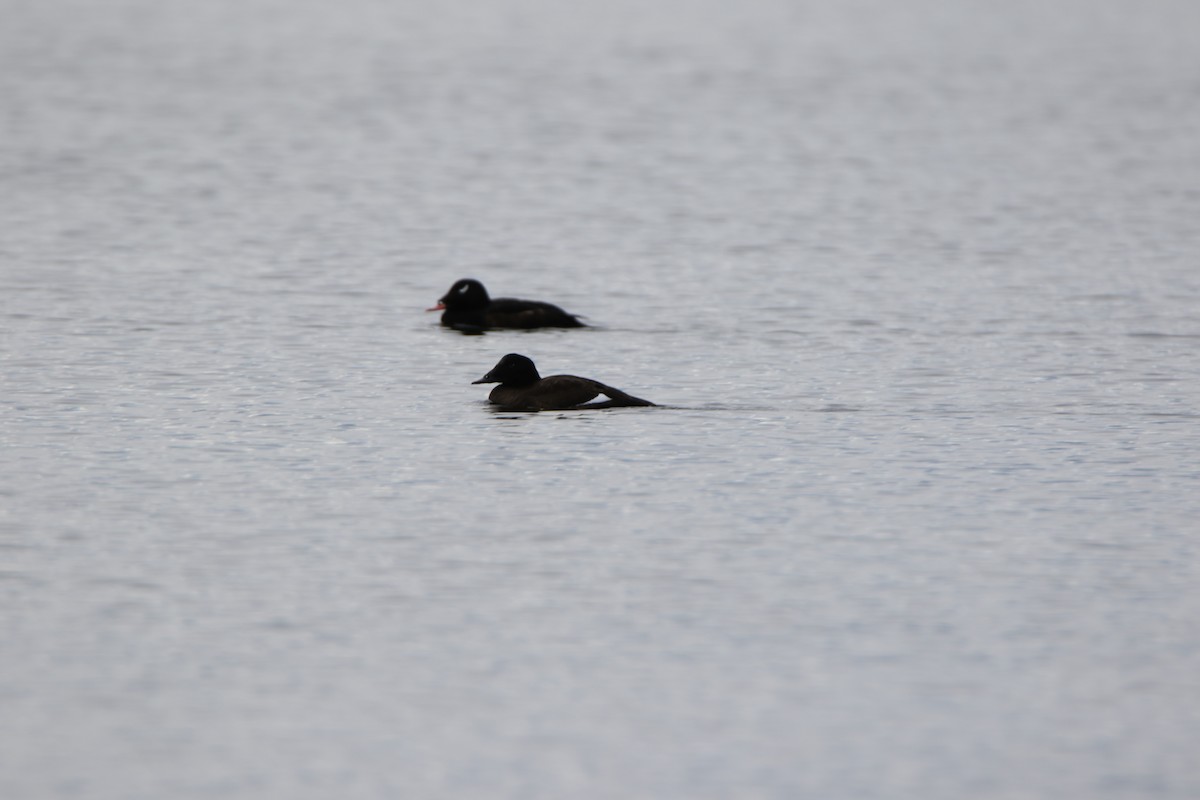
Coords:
522,389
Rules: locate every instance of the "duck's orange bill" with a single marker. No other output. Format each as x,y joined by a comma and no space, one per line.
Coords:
438,307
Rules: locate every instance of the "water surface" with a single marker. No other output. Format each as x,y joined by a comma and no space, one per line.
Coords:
917,286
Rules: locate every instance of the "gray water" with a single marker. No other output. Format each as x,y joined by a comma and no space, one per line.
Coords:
917,285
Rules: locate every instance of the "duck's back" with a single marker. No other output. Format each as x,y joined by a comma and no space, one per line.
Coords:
509,312
562,392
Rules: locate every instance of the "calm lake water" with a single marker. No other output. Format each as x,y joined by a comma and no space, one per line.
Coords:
917,284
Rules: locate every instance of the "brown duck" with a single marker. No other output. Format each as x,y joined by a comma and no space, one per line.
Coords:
522,389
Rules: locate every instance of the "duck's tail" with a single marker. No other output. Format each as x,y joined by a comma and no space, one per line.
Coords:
618,399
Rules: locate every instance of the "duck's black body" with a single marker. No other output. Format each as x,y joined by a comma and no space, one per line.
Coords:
468,308
522,389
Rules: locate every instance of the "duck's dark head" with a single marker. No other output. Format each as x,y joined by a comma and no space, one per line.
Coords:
465,295
512,370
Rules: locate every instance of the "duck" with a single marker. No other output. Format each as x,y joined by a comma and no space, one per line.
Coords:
523,389
467,307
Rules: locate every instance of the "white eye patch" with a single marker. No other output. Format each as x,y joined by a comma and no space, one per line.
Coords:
463,289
